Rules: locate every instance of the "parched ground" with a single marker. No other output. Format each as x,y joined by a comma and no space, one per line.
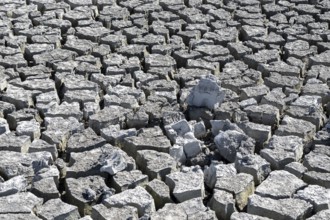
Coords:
164,109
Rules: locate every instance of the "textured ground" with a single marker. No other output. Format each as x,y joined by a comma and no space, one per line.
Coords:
168,109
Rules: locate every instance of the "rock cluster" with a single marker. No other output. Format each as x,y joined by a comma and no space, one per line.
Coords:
165,109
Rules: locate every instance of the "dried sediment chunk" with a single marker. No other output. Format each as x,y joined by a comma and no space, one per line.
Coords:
207,93
144,76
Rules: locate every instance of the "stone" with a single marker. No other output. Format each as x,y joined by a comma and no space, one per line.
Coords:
137,120
246,216
247,102
275,98
181,134
116,162
223,203
87,217
239,50
319,59
39,145
18,216
214,67
296,169
22,115
195,209
317,162
297,127
4,127
115,136
263,114
81,96
90,108
14,163
34,49
93,34
176,129
283,150
217,171
162,88
199,129
21,203
53,56
222,125
49,39
230,142
170,210
19,97
157,60
316,195
256,92
124,100
177,152
317,89
11,142
103,213
85,192
84,141
259,132
186,75
223,36
65,110
160,192
150,132
280,209
45,188
137,197
76,82
297,48
58,130
6,108
15,61
321,137
262,56
321,149
125,180
48,97
155,164
14,185
191,146
187,184
133,50
115,41
56,209
240,185
3,82
29,128
311,114
207,93
44,170
252,31
132,144
197,113
101,50
276,80
61,166
80,167
107,116
254,165
317,178
280,184
322,215
280,67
